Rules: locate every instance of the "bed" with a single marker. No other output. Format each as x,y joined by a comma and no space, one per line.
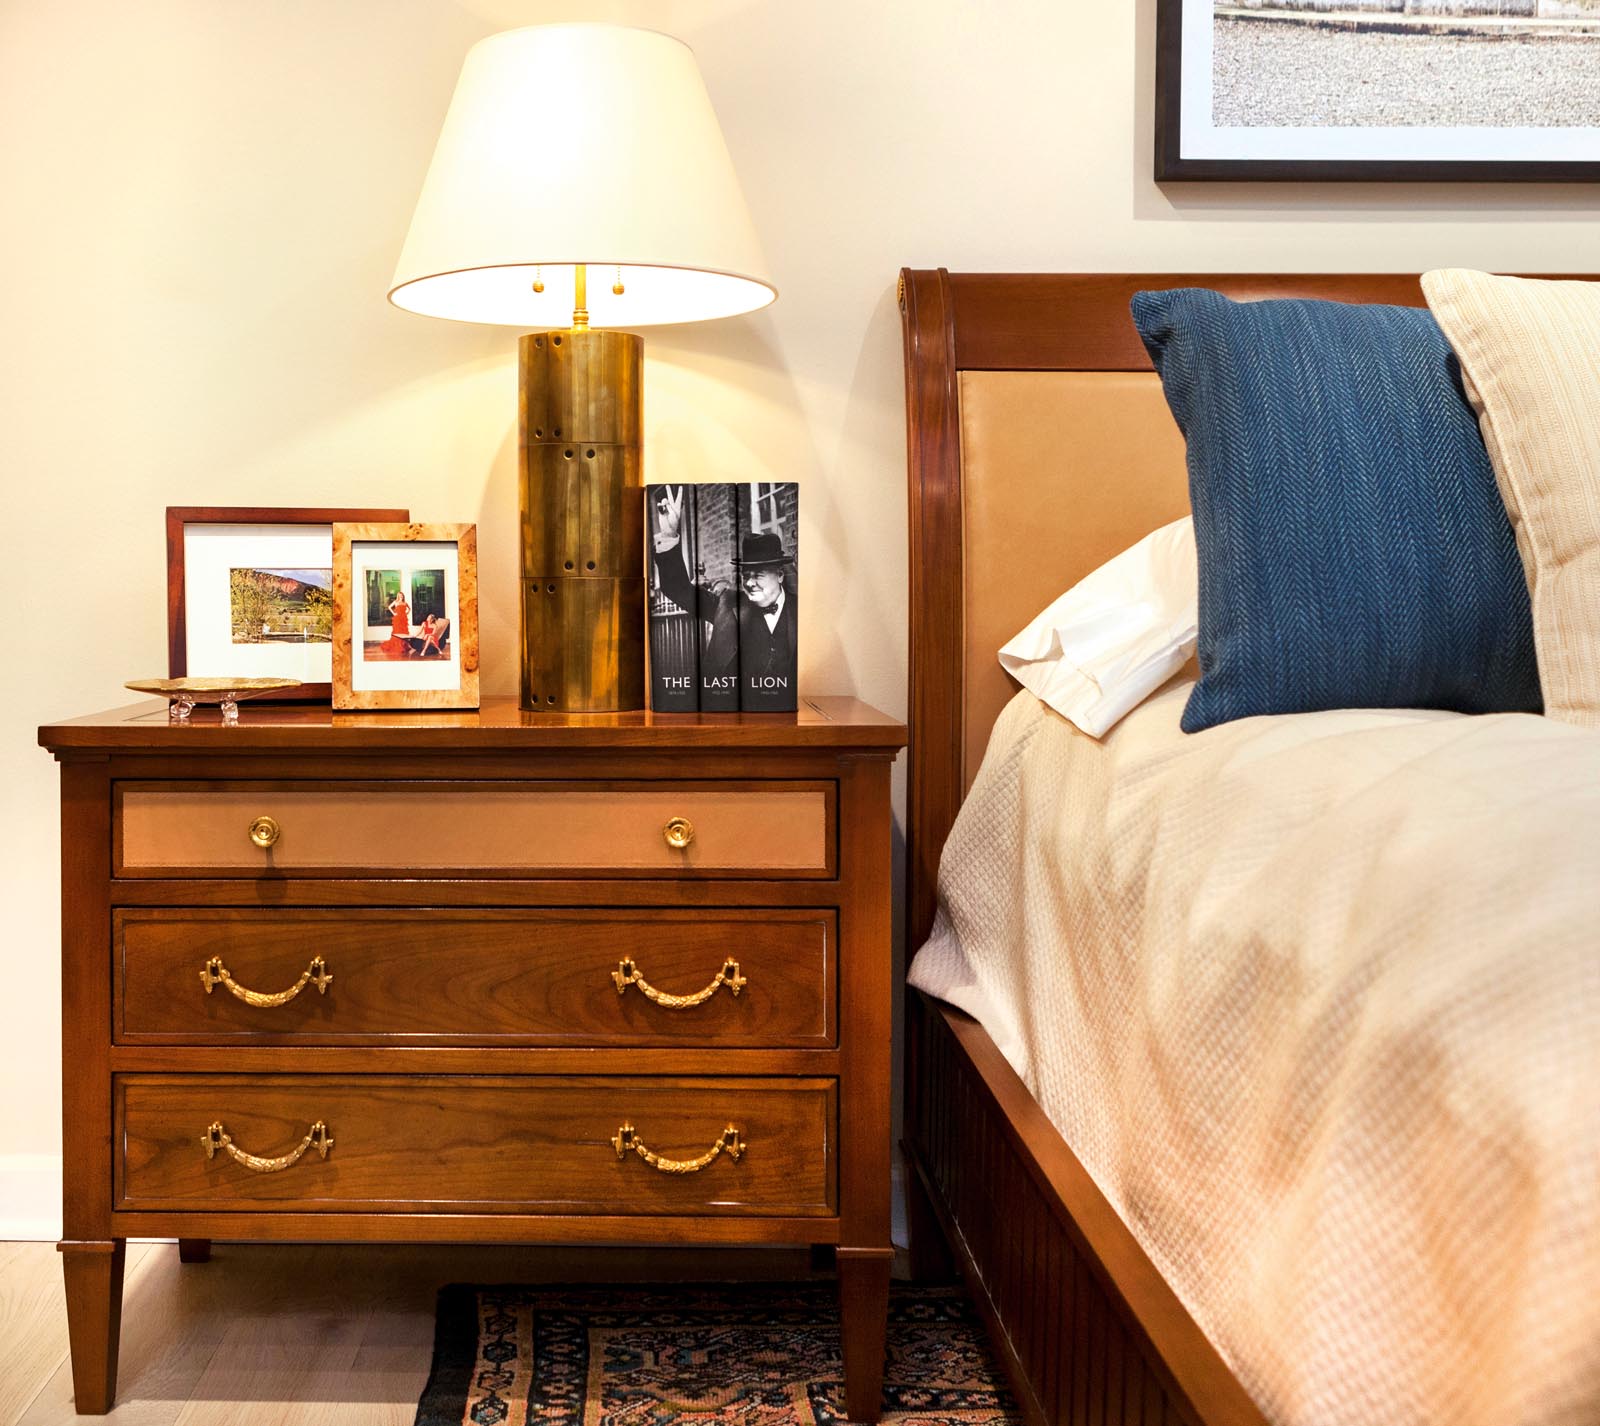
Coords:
1034,421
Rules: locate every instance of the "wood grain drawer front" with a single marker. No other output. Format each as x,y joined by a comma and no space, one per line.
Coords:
494,829
359,975
528,1145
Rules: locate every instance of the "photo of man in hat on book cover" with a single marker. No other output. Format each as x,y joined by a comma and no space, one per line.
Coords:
768,617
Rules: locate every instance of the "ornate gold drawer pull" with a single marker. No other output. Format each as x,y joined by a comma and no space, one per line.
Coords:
729,1142
216,1137
264,831
627,974
679,832
216,974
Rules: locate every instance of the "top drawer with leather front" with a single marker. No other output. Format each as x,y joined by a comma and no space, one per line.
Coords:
527,829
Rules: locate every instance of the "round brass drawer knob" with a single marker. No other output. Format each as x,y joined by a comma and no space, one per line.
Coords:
679,832
264,831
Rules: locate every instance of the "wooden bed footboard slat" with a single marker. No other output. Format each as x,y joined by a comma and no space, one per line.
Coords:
1034,1235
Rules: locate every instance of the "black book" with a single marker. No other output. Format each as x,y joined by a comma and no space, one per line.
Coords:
674,641
716,550
769,596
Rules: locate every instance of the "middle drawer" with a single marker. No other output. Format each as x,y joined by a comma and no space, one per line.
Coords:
754,977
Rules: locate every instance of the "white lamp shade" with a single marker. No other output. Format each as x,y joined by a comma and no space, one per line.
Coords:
569,144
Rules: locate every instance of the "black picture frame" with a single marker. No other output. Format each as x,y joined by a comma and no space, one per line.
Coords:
1172,166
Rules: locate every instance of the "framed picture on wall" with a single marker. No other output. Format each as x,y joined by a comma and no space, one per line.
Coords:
250,593
405,616
1434,90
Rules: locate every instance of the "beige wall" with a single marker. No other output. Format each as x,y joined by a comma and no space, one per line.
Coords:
204,199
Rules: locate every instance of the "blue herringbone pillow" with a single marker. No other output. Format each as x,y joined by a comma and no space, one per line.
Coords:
1354,551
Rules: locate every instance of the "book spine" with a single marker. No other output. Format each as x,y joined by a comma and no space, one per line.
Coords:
769,596
716,549
674,647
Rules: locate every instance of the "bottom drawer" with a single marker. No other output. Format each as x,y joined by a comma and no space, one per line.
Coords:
604,1145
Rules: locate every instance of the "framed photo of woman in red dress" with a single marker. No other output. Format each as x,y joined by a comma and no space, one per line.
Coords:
405,616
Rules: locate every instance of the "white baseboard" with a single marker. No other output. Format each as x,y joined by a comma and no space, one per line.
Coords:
30,1197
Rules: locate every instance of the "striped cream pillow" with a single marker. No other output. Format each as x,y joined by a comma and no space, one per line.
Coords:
1530,356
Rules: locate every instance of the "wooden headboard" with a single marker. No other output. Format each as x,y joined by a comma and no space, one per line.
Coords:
1039,446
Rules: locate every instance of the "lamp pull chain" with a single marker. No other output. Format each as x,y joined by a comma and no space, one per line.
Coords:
616,287
538,279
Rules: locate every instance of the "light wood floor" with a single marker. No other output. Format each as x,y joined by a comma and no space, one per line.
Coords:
324,1335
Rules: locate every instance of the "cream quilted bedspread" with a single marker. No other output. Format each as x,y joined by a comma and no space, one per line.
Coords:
1316,1000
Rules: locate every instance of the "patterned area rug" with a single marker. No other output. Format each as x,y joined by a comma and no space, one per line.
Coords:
723,1354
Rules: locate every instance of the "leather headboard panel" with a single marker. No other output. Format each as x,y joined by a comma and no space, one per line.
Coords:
1060,470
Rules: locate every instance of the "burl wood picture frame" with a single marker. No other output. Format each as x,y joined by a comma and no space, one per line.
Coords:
255,535
405,616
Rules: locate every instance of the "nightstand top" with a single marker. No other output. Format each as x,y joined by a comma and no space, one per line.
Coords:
500,726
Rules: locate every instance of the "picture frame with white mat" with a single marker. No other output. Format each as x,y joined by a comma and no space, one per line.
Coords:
216,554
405,616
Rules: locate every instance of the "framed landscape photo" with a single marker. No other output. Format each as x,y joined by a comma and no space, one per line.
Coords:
1423,90
250,593
405,616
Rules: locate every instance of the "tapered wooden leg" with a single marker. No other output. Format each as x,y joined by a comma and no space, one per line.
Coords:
93,1274
194,1250
863,1325
925,1240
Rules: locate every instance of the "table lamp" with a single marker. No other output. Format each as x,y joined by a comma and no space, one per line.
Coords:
581,177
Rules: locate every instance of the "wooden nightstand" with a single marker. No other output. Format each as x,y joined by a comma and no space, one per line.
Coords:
495,977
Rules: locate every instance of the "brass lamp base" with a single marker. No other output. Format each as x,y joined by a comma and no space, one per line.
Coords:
581,458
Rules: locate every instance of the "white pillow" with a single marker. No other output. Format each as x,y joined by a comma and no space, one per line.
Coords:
1116,636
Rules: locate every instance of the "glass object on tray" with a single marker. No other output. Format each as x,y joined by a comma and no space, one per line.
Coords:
183,695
